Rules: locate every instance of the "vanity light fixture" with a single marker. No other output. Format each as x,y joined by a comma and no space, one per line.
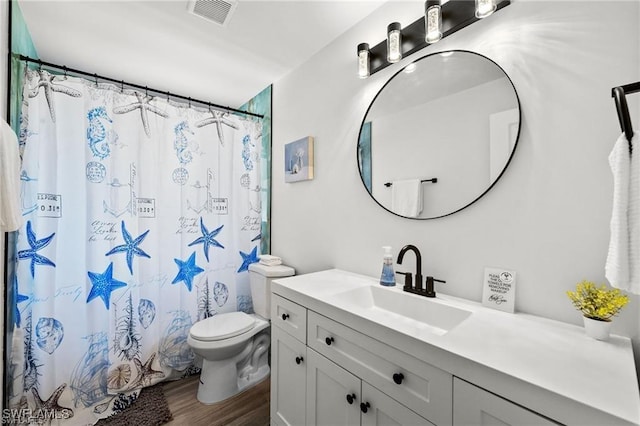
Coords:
432,21
364,65
485,8
439,20
394,42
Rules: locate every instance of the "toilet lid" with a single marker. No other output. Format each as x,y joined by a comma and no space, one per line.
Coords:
222,326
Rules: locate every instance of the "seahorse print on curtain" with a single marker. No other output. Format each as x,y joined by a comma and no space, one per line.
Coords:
99,137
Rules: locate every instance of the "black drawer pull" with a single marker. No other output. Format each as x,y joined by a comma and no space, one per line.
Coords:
329,341
284,317
351,398
364,406
299,359
398,378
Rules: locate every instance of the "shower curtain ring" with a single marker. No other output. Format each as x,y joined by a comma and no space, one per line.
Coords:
64,67
121,86
146,91
95,77
189,102
168,96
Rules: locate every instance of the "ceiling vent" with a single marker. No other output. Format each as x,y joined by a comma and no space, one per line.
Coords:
218,11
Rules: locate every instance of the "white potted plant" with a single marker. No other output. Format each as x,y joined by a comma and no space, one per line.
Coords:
598,306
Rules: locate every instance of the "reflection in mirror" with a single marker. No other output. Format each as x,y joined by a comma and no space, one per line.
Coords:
439,135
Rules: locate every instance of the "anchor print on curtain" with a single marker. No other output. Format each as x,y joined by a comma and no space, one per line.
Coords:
140,219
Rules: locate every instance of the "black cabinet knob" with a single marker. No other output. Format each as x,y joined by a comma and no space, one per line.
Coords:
329,341
299,359
351,398
398,378
284,317
364,406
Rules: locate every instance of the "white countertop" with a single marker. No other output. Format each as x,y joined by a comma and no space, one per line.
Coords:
551,367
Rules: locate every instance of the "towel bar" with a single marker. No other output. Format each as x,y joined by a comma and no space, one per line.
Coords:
432,180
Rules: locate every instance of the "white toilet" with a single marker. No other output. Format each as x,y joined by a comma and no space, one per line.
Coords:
234,347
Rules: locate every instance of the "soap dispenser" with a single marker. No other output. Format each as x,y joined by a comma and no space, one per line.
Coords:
388,276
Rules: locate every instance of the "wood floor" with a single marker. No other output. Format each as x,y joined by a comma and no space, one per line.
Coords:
249,408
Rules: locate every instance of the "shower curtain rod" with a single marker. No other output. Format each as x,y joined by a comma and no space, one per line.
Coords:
123,83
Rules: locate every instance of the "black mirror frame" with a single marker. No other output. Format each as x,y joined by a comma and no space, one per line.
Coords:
515,145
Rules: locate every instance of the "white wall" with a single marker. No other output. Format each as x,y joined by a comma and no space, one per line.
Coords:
547,218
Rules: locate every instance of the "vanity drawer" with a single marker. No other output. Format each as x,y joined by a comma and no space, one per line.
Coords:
289,316
423,388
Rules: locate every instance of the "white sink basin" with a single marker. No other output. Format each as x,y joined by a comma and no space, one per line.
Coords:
403,311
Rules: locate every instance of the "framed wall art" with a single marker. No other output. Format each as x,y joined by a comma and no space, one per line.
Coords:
298,160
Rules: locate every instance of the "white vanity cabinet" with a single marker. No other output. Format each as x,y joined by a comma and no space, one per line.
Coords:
475,406
324,373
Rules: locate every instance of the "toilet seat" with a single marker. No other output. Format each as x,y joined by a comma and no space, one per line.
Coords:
222,326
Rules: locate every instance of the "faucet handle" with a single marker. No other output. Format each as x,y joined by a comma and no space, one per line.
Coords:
429,286
408,279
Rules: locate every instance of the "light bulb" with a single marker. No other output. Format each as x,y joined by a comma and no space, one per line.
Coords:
364,67
485,8
394,42
433,21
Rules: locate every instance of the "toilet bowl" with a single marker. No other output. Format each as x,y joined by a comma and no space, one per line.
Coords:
234,346
224,342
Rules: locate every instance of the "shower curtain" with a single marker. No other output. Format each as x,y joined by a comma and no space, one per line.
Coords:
141,217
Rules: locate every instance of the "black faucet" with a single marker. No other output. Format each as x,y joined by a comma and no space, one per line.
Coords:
418,266
429,290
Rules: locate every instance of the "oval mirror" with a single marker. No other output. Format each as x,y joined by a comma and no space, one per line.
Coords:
439,134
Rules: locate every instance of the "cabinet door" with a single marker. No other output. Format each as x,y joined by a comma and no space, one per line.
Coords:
288,379
475,406
380,409
333,394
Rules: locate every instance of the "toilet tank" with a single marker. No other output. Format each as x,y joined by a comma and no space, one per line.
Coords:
260,277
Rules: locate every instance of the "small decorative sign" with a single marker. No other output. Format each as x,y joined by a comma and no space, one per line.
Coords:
49,205
499,289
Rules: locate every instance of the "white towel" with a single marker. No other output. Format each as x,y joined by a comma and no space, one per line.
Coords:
633,218
622,269
617,266
269,260
10,215
406,197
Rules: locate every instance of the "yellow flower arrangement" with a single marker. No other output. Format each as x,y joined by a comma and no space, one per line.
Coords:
598,303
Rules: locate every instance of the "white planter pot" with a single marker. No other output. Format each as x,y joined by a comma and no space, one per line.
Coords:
599,330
